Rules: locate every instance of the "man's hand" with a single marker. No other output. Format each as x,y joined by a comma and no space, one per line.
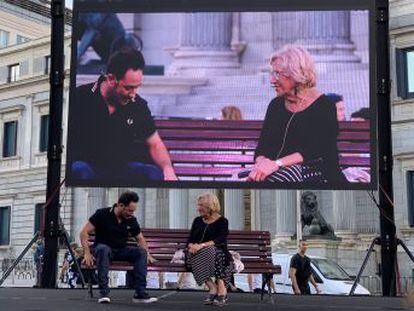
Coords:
169,174
88,260
263,168
318,291
297,291
150,259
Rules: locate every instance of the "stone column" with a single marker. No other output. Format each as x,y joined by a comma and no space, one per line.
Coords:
205,45
284,28
285,205
234,208
178,208
255,210
344,214
96,199
162,212
80,211
367,214
327,35
140,212
268,213
150,208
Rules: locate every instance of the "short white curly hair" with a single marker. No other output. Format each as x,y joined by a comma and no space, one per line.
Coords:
297,63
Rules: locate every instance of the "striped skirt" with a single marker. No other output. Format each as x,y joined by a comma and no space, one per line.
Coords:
210,262
297,173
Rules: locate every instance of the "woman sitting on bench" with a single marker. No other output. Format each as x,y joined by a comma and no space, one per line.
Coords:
207,255
298,139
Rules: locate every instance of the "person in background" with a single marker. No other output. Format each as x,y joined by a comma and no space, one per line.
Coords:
38,260
338,100
69,272
231,113
300,271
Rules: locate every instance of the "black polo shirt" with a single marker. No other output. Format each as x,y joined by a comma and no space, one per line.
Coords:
303,269
109,231
103,139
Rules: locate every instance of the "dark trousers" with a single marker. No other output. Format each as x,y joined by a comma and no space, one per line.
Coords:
135,255
131,171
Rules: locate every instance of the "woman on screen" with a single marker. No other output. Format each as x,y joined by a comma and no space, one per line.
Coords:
298,139
207,255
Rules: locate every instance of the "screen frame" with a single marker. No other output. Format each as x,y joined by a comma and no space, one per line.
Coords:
164,6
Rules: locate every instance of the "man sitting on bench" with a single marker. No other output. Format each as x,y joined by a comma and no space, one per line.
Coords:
112,227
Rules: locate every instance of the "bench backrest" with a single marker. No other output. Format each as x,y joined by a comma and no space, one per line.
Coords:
214,148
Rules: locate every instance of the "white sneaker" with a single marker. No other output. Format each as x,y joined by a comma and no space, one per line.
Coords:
104,300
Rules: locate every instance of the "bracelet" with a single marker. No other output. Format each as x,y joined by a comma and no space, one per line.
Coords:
203,245
279,163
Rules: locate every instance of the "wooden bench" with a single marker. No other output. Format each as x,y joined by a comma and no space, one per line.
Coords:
215,149
253,247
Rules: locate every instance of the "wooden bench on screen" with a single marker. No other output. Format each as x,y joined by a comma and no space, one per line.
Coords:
215,149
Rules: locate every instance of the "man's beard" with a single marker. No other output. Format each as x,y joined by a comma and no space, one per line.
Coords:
114,99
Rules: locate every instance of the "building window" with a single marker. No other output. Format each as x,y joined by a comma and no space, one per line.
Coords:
39,217
410,197
10,139
14,73
4,38
47,65
44,133
4,225
20,39
405,72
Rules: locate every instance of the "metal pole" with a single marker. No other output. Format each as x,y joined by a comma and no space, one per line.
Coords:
51,231
388,231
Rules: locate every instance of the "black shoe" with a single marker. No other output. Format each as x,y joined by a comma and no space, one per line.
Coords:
220,301
143,298
210,299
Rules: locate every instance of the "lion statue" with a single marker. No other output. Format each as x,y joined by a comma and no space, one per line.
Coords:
312,220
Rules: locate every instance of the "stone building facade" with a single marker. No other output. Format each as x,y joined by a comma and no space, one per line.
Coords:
191,73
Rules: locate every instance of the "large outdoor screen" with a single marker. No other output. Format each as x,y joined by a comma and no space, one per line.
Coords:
201,94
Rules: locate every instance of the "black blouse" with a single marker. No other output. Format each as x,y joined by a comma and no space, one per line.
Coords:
216,231
312,133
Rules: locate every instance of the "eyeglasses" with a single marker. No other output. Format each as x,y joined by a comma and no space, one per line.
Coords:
277,74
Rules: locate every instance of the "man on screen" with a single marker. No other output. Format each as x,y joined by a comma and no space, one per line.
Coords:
112,135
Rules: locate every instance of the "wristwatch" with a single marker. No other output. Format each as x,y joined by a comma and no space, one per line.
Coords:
279,163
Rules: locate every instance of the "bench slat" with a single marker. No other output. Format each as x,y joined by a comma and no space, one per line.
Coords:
149,231
213,124
209,134
231,145
249,145
354,161
348,147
